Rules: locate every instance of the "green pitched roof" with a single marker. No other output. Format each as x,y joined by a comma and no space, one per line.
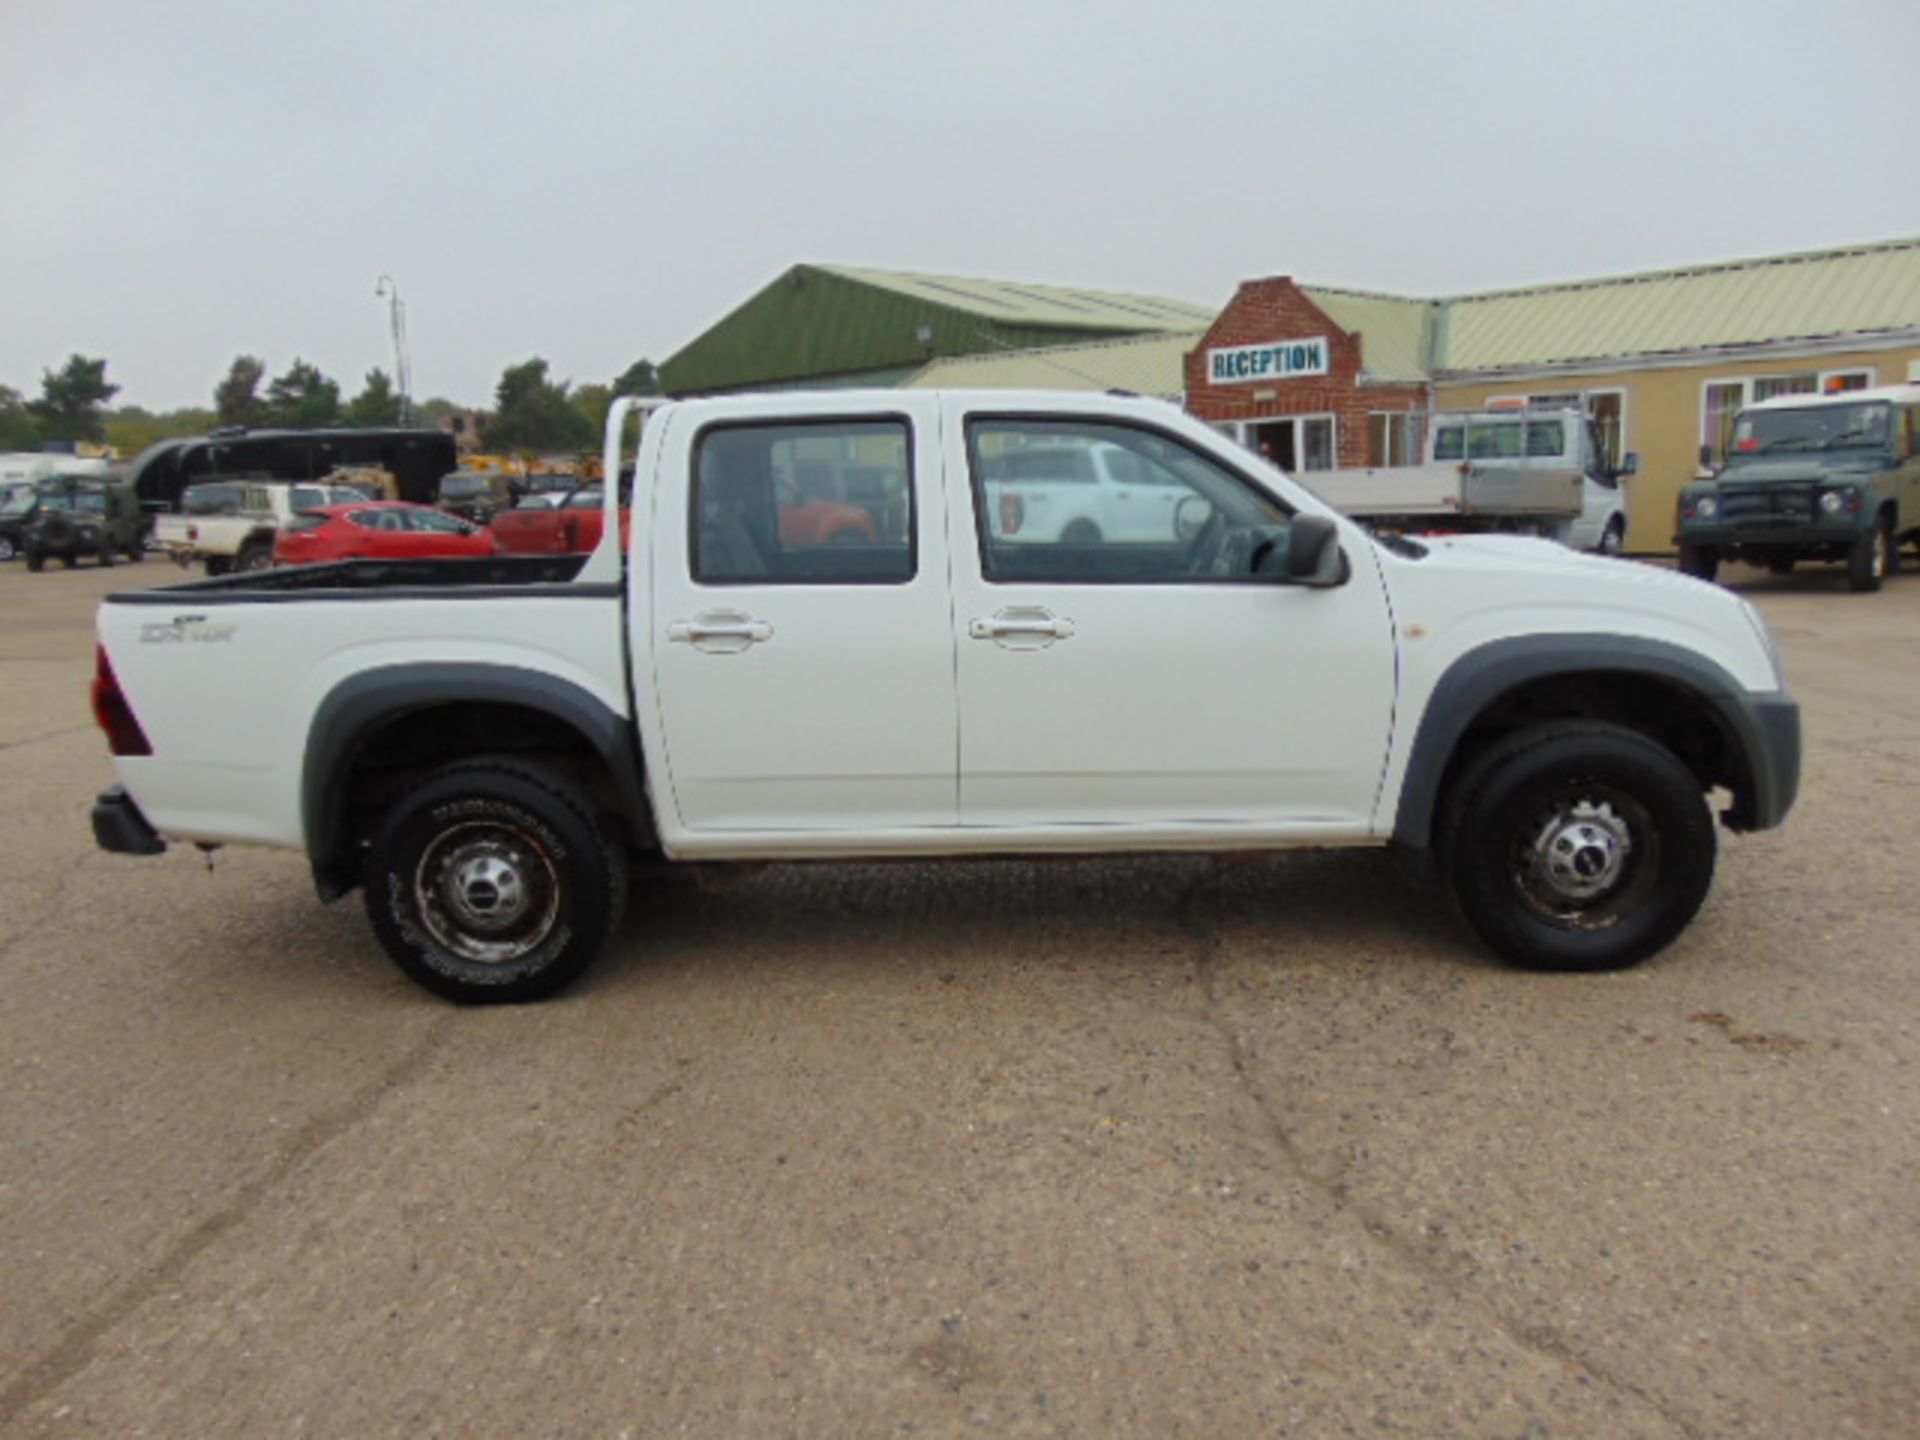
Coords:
821,321
1052,305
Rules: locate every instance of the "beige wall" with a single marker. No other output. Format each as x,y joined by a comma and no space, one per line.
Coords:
1663,418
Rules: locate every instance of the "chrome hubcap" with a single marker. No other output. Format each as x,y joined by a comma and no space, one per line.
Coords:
487,892
1580,852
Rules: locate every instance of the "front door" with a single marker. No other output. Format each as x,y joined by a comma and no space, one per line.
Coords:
802,651
1160,682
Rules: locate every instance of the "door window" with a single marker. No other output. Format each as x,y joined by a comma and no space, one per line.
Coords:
815,503
433,523
1177,516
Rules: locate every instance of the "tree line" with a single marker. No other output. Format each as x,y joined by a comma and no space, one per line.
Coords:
532,412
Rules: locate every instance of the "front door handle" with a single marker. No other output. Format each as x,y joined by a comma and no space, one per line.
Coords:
1022,627
721,632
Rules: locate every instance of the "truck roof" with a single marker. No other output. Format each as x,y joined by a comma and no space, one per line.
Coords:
1897,394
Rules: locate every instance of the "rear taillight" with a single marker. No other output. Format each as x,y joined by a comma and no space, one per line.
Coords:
112,713
1013,514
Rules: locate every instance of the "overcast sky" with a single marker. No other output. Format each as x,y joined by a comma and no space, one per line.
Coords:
188,180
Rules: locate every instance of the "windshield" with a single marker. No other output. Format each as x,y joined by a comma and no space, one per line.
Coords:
18,503
1816,427
462,487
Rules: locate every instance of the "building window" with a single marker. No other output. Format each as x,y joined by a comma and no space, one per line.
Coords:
1293,444
1766,387
1837,382
1608,411
1393,438
1316,443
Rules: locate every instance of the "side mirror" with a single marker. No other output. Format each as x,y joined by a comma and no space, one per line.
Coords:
1630,463
1308,554
1706,455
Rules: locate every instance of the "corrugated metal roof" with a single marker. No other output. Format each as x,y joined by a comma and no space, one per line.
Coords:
1396,333
1146,365
1045,305
1810,295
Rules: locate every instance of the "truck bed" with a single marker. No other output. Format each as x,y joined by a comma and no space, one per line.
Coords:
1545,491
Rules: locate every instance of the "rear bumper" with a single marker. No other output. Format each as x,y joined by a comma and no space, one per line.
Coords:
120,828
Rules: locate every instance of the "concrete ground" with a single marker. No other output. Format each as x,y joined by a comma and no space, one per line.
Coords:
1162,1147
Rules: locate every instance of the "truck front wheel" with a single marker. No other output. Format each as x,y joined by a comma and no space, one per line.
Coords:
491,883
1870,560
1699,561
1579,846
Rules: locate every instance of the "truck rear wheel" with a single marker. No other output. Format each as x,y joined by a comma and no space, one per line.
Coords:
491,883
1579,846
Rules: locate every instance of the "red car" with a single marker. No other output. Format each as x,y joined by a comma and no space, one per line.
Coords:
571,526
377,530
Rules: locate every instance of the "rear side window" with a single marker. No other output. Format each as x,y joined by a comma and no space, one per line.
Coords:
1494,440
308,521
826,502
1449,443
212,499
1546,437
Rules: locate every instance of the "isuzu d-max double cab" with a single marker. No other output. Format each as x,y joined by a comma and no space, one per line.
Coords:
482,745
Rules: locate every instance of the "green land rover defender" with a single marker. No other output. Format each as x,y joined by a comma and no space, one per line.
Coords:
1811,477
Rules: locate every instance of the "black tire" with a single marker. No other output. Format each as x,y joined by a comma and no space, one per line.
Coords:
1867,561
1081,532
136,552
1780,564
218,565
1578,845
36,561
1613,540
106,555
1700,561
70,558
490,883
253,556
1890,538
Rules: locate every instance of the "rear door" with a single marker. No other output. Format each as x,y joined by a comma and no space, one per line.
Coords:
804,683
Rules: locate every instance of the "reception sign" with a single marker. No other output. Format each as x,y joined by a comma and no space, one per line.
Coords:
1280,360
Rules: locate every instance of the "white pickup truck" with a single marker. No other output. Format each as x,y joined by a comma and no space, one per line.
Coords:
1536,472
231,524
483,744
